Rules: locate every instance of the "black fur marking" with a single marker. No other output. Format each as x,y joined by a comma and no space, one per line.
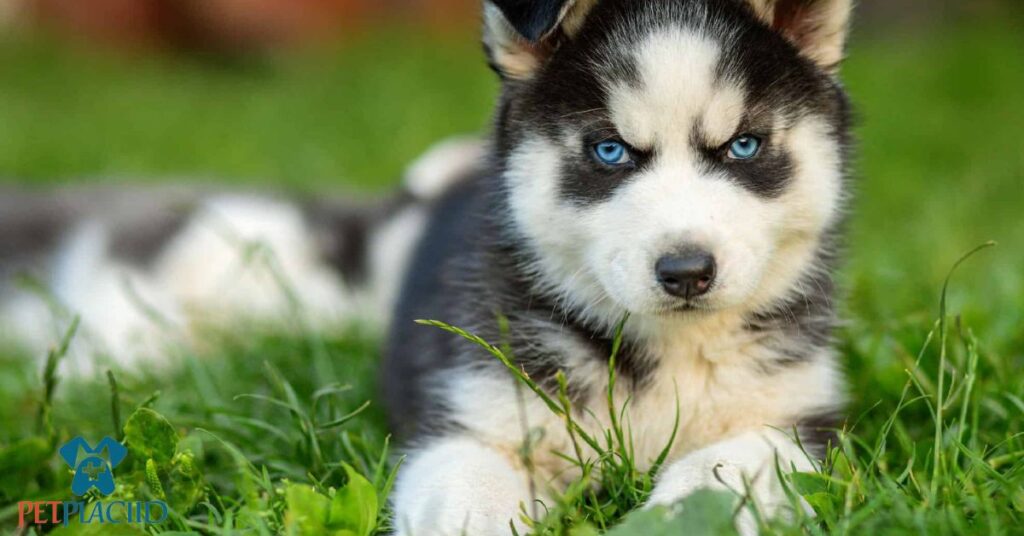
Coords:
414,354
800,327
820,432
141,243
139,221
532,19
587,181
766,174
28,233
343,230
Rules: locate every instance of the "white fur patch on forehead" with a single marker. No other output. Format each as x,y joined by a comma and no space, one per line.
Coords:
678,90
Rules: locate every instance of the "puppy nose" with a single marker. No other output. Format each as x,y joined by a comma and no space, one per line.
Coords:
687,274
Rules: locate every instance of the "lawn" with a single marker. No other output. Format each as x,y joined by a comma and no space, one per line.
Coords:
267,432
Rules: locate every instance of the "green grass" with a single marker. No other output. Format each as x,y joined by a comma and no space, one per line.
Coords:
263,421
312,119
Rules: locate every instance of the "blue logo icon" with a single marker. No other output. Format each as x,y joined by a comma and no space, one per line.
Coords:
92,468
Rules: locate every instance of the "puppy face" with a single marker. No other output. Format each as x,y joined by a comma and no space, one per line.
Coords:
672,158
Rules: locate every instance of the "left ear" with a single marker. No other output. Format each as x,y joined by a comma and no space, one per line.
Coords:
818,28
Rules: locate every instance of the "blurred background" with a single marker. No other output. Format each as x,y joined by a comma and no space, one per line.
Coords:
315,95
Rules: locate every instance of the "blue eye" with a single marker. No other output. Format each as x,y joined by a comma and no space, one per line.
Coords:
612,153
744,147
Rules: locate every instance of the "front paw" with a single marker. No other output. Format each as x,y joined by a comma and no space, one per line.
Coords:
745,467
687,476
459,487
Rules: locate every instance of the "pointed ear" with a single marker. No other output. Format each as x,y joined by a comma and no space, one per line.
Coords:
520,35
818,28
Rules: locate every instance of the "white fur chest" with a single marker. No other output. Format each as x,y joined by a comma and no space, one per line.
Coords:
707,375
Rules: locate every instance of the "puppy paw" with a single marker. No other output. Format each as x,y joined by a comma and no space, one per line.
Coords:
458,487
744,466
704,472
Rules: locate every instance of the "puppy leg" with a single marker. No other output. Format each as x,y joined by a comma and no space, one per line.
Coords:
749,458
460,486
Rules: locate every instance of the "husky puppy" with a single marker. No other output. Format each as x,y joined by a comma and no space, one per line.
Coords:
679,161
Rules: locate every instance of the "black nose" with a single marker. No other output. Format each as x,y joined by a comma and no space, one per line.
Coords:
687,274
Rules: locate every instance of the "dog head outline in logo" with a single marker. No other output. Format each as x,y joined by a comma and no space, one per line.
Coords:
92,469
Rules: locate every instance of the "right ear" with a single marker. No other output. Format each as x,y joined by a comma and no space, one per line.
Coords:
817,28
520,35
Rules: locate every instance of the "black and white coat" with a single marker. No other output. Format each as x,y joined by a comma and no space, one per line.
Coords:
535,228
564,245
